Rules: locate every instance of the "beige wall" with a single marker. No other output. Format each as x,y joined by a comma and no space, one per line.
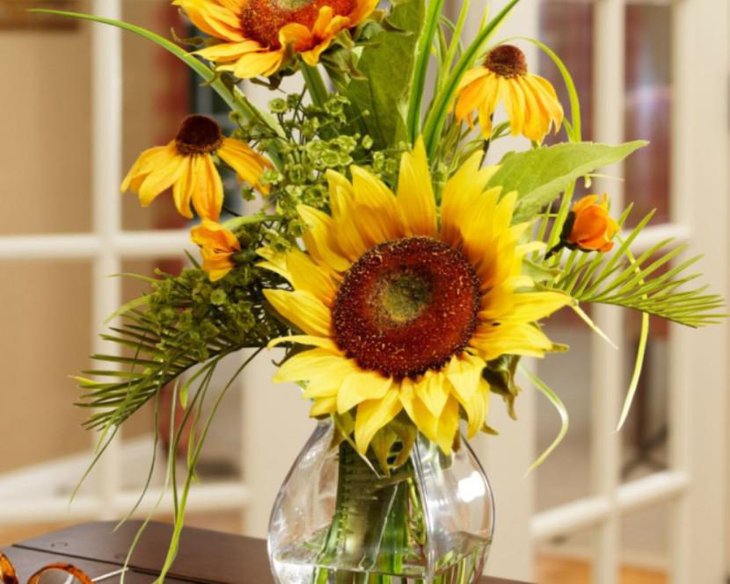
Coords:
45,175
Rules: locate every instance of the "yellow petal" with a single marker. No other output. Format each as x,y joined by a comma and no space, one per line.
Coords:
251,65
378,218
323,407
476,407
310,340
460,192
227,52
464,372
510,339
169,166
206,187
248,164
303,310
318,367
448,426
296,35
416,198
182,191
319,238
306,275
532,306
212,18
433,392
359,387
419,414
373,415
513,95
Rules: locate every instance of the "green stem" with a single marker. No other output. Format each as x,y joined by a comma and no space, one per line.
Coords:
420,71
315,85
440,110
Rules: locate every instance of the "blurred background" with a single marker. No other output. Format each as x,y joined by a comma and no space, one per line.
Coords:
645,506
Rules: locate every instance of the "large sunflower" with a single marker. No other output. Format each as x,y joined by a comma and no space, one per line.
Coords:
405,310
257,34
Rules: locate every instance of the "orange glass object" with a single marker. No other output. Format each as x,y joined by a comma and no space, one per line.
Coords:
46,575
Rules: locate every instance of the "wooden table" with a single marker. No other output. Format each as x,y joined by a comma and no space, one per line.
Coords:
205,556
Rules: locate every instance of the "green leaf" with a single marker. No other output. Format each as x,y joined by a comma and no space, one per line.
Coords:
232,96
540,175
387,65
559,408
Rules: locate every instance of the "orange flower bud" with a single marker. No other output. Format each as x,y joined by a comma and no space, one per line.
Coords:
589,226
218,246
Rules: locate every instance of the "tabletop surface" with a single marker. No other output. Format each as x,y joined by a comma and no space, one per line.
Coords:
205,556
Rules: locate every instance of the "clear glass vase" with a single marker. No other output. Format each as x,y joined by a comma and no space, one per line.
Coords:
338,520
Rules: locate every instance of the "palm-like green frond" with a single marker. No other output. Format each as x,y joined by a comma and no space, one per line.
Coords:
656,282
185,321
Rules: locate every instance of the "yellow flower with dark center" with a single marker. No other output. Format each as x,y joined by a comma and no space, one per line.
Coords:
186,164
256,35
403,310
589,226
530,100
218,245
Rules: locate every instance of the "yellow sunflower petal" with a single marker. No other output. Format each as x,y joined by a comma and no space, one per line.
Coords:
433,392
212,18
378,218
448,426
306,275
464,372
416,199
476,407
373,415
532,306
252,64
363,9
419,414
296,35
319,238
359,387
323,407
465,186
510,339
301,309
228,52
318,367
309,340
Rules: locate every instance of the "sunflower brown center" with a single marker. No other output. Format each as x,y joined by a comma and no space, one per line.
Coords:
198,135
506,61
261,20
406,306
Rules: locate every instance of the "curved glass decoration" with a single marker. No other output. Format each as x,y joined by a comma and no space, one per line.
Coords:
339,520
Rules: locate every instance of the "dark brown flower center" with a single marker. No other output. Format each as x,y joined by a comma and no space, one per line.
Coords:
407,306
262,20
506,61
198,135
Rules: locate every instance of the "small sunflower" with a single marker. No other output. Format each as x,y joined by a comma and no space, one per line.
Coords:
186,164
403,310
218,246
530,100
256,35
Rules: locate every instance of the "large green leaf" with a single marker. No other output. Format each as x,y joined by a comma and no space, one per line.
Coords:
540,175
387,72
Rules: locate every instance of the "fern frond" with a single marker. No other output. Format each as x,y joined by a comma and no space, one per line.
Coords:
185,321
647,284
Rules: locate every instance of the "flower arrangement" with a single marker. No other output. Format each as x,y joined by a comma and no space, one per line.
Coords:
403,271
